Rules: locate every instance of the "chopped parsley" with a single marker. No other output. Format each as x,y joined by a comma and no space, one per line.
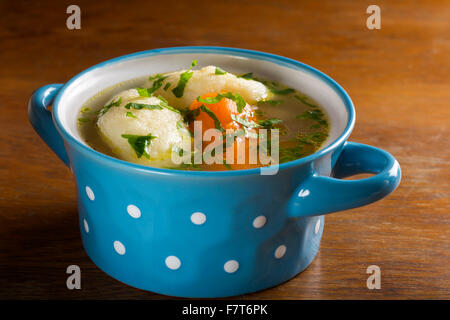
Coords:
139,143
144,92
168,84
259,113
208,111
130,114
304,101
83,120
247,76
219,71
165,104
139,106
281,91
190,115
240,102
157,83
180,151
109,106
315,139
271,85
306,143
226,165
178,91
155,77
289,154
245,122
160,106
272,102
229,138
314,115
269,123
274,87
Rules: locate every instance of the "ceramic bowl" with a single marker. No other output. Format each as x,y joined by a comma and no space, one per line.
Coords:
200,233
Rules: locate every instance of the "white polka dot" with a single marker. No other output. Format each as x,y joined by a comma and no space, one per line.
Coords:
198,218
86,226
280,251
231,266
133,211
119,247
173,262
259,222
303,193
317,228
90,193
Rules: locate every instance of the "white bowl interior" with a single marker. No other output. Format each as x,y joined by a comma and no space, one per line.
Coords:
99,79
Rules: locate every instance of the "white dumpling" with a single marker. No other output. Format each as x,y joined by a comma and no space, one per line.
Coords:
205,81
166,125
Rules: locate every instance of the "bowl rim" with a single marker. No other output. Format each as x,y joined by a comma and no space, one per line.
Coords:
246,53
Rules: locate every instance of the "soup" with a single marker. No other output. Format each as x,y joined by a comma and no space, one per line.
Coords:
203,119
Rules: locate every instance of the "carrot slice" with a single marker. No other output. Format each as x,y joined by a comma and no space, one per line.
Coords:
223,111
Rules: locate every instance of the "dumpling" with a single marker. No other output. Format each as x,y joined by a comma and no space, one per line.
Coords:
147,132
206,80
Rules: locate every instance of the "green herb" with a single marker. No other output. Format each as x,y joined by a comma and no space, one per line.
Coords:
163,100
315,139
245,122
269,123
306,144
84,120
190,115
226,165
168,84
247,76
185,166
109,106
259,113
272,102
165,104
139,106
131,115
274,87
220,71
157,83
229,138
240,102
304,101
315,115
160,106
179,151
156,76
213,116
85,109
289,154
281,91
139,143
144,92
178,91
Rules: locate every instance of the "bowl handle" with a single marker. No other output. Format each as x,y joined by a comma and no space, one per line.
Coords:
41,119
320,194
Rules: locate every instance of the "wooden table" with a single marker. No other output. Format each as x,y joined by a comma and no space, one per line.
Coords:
398,77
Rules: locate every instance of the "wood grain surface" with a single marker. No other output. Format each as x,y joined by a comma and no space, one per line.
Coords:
398,78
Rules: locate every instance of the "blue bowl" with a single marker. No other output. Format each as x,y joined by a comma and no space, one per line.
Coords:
209,234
